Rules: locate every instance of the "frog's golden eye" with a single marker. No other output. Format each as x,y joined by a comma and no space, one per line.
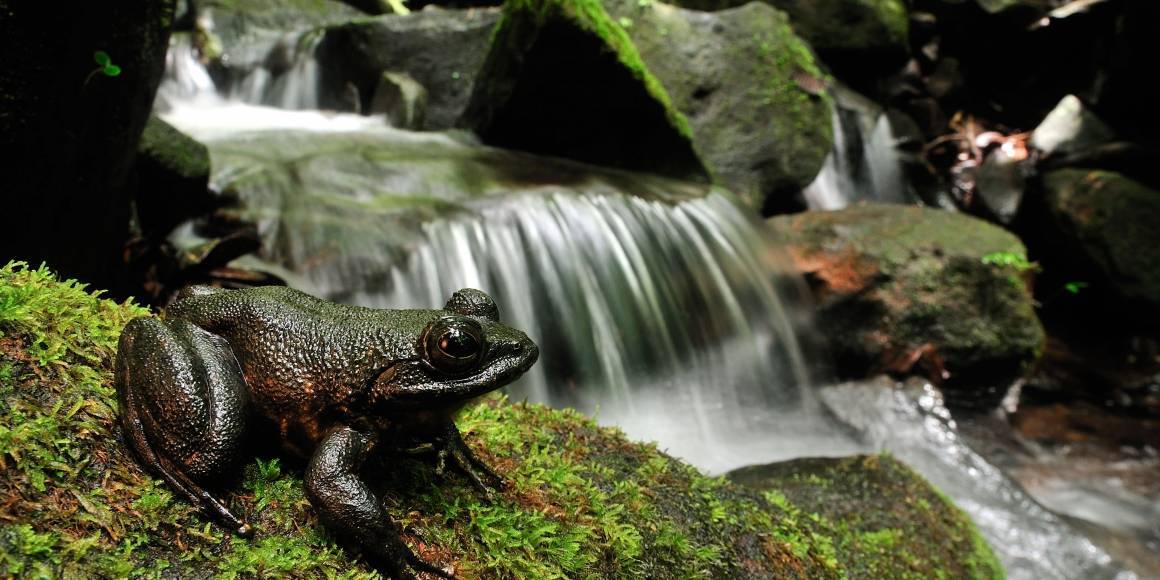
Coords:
454,345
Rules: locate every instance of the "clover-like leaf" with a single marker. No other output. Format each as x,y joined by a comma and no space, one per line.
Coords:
111,70
102,58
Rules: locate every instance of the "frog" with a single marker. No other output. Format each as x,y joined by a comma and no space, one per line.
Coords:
335,384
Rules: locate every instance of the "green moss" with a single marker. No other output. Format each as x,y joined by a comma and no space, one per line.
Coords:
879,518
583,502
173,150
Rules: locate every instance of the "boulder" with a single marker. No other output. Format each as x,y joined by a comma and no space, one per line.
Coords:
750,88
440,50
402,100
173,179
905,289
563,78
581,500
1108,222
858,39
910,526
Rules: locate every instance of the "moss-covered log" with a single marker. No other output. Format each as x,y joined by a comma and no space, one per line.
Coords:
582,501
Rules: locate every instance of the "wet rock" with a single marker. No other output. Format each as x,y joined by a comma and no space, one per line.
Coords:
441,50
914,290
750,88
1070,128
402,99
859,40
1108,220
889,515
563,78
173,172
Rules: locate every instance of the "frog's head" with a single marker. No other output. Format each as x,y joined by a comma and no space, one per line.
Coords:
462,352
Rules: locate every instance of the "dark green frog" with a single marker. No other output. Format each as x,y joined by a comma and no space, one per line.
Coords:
337,383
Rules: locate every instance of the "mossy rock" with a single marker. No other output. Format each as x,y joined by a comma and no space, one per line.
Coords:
859,40
173,171
442,50
563,78
1108,220
889,521
749,86
582,501
910,289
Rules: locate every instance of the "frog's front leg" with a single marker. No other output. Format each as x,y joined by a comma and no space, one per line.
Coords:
348,506
449,444
183,406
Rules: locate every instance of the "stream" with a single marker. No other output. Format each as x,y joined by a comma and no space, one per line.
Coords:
661,307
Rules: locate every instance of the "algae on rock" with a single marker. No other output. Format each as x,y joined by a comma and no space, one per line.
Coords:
582,500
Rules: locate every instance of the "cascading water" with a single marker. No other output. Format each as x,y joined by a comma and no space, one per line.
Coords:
659,305
863,164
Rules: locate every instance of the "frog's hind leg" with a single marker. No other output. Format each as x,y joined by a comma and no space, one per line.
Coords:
183,406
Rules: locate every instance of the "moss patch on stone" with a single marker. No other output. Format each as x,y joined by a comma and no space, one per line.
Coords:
888,522
582,501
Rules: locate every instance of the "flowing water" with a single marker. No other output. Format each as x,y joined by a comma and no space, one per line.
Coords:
660,306
863,164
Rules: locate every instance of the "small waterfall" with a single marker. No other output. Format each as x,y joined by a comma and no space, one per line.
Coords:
863,164
637,288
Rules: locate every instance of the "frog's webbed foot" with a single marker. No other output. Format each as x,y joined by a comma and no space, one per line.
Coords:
450,445
182,400
349,507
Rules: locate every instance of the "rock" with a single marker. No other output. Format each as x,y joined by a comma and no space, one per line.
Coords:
749,87
911,526
563,78
69,127
402,99
901,288
858,39
441,50
1000,184
581,500
1110,221
173,172
1070,128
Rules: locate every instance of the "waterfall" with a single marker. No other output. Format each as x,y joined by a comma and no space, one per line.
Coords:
637,288
863,164
660,306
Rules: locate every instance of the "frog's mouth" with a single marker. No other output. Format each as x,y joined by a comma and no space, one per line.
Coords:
416,382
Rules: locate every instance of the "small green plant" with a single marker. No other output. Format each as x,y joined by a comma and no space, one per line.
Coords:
1014,260
105,66
1075,287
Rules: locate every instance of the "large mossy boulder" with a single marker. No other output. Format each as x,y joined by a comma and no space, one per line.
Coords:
749,86
75,91
582,501
563,78
441,50
1109,225
908,288
893,523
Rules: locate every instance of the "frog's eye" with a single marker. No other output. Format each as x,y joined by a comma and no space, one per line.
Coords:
454,345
